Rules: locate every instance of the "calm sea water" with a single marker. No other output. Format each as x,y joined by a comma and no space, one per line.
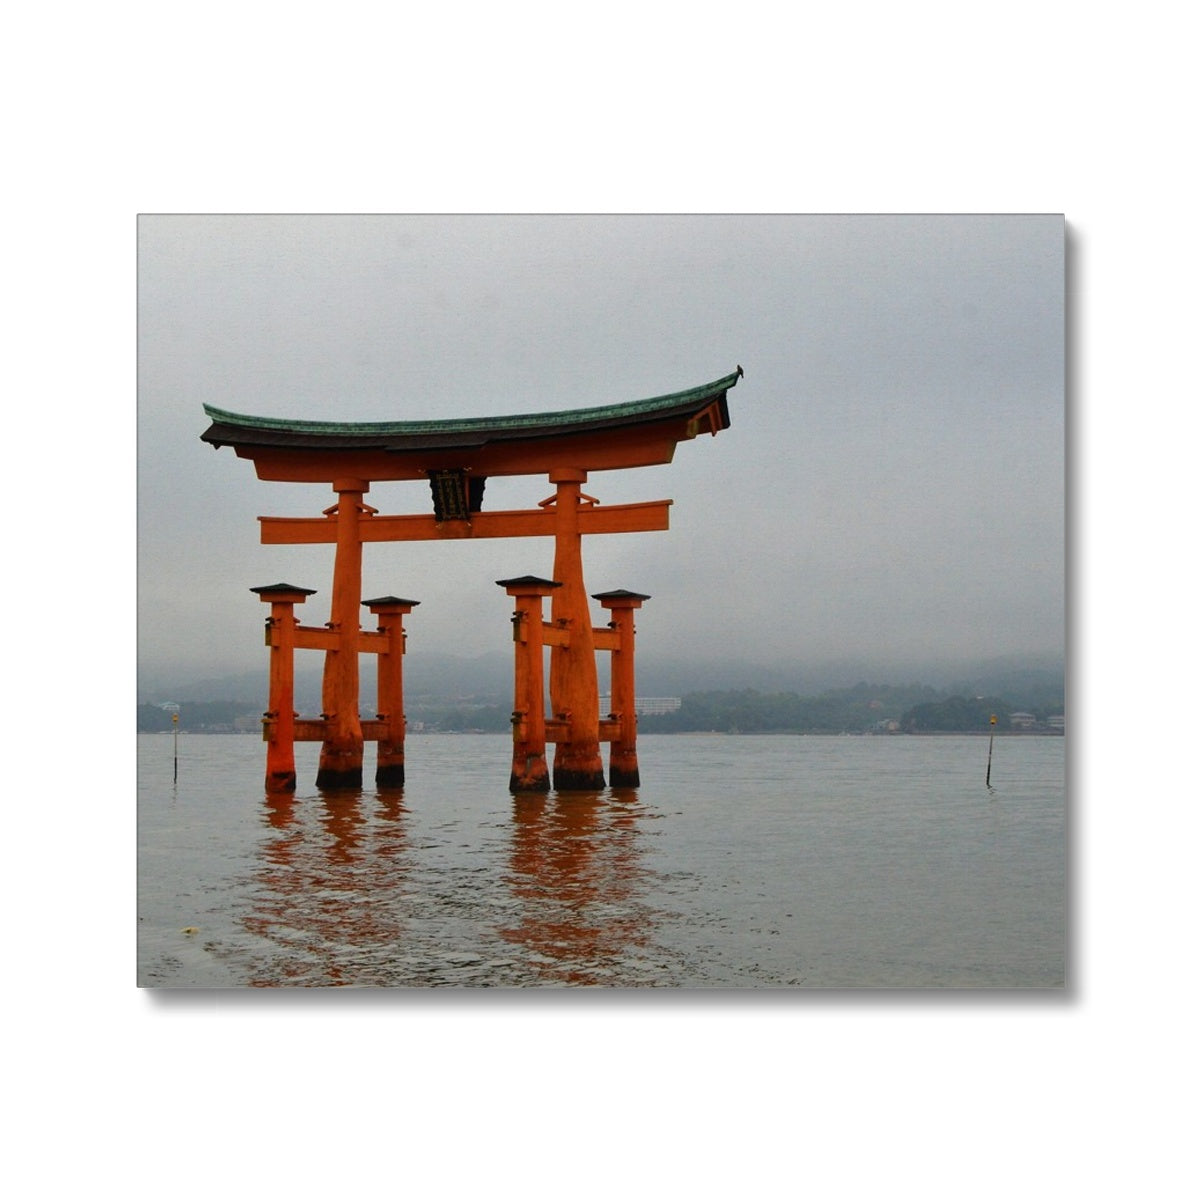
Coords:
742,862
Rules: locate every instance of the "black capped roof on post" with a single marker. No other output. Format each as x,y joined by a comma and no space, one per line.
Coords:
620,594
268,589
528,581
388,601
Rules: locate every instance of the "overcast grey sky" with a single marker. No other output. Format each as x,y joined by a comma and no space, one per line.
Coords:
891,488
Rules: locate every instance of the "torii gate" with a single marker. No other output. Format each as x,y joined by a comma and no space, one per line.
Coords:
456,457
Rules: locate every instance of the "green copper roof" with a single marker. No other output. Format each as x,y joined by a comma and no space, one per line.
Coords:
227,426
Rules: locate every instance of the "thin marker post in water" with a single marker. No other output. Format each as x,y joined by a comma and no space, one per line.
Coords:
175,731
988,779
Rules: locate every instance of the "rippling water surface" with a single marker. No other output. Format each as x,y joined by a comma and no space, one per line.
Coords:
742,862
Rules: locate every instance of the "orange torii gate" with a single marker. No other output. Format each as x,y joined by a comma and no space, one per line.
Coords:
456,457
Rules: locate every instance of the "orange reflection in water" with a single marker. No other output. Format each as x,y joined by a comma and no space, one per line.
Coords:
346,893
323,884
575,865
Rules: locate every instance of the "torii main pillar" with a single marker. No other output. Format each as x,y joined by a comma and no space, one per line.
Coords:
574,695
341,759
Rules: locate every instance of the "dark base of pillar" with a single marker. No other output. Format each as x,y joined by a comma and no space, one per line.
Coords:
390,776
517,785
340,765
623,766
529,774
281,781
624,777
567,779
330,780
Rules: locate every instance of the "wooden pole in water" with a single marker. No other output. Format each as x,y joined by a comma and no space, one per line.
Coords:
988,779
175,734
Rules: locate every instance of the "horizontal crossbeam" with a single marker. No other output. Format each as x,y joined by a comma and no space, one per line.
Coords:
311,637
312,729
647,517
558,730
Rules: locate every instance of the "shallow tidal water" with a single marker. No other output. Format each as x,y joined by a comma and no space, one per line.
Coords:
742,862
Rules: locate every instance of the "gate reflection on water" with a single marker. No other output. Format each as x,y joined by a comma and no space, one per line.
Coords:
345,895
575,868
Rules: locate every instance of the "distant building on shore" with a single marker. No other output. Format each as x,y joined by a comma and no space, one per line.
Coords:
1026,722
647,705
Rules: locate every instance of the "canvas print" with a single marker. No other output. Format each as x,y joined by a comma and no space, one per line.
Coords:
597,601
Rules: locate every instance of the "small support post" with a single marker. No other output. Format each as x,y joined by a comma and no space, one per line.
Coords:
389,760
279,721
529,770
342,750
622,757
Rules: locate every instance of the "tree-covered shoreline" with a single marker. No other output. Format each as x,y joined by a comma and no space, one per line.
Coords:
863,708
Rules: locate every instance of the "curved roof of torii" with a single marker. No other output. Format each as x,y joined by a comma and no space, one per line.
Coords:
636,433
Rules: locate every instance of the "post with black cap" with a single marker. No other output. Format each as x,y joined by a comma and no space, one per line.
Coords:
529,770
622,755
392,723
279,721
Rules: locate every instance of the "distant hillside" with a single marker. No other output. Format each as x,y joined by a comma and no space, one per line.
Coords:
437,679
1030,687
434,676
998,677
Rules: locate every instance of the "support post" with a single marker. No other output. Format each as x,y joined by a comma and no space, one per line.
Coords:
279,721
342,748
529,770
574,695
389,760
622,757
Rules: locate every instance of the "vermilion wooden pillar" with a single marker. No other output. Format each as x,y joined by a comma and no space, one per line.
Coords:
622,757
574,695
342,749
279,721
389,762
529,770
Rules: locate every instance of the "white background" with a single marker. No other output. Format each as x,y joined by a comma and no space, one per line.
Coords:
129,108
